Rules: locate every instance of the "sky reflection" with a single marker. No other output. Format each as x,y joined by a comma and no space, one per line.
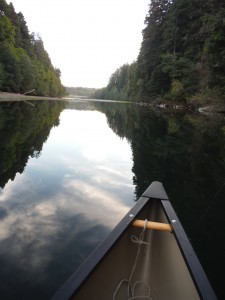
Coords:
63,205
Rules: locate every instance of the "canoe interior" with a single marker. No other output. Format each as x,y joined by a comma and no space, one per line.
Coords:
160,265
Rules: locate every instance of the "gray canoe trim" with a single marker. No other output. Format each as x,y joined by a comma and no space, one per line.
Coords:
156,190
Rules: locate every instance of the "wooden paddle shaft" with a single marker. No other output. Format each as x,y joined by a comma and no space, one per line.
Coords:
153,225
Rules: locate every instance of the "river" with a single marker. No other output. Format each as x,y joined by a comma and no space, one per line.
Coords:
70,171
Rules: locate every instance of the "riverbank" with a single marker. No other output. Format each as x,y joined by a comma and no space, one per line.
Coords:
21,97
208,108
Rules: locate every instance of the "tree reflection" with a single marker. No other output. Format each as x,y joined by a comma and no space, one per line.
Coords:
186,152
23,130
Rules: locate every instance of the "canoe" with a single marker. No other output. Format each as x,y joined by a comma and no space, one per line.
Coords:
147,256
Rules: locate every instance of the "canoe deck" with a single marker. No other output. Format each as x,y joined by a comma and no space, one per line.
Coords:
149,264
156,268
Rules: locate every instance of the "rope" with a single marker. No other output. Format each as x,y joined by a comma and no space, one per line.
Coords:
131,288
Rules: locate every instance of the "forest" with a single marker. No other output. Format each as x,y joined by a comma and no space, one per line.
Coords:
80,91
24,63
181,59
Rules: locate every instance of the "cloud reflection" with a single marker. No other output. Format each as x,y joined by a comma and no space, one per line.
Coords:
36,224
95,203
55,213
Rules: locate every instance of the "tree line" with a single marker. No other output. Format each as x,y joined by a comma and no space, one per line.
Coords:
24,63
182,55
80,91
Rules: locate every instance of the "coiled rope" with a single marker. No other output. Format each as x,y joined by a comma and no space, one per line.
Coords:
132,287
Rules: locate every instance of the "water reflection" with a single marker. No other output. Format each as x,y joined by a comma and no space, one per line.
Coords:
65,186
23,130
186,153
64,203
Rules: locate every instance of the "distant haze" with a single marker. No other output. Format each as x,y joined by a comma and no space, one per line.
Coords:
87,39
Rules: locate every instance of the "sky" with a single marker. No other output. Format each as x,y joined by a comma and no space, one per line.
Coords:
87,39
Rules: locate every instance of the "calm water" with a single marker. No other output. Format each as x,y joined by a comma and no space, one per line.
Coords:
69,173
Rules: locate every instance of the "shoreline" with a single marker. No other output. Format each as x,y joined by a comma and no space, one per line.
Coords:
205,109
4,97
210,108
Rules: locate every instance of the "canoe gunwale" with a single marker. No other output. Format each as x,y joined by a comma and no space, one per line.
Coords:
88,266
195,268
154,191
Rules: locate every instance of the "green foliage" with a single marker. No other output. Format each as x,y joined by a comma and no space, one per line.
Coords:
26,70
7,30
1,74
24,63
176,88
123,84
182,54
80,91
40,53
